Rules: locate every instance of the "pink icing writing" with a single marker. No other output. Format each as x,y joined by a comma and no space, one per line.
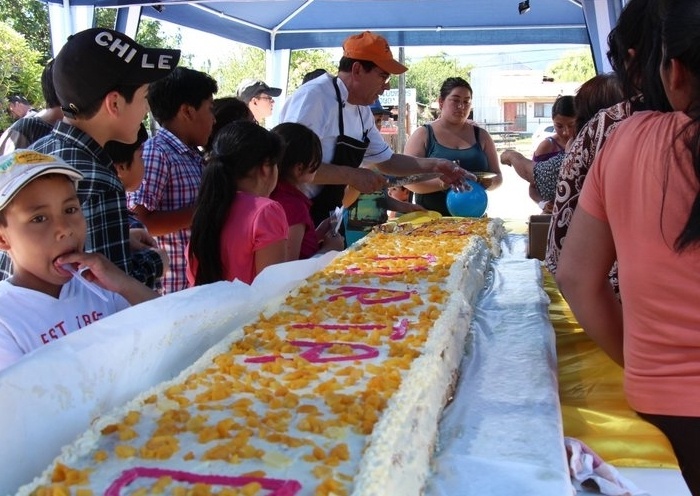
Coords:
363,295
277,487
399,330
315,351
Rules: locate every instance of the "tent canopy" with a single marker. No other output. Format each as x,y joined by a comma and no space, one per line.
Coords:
295,24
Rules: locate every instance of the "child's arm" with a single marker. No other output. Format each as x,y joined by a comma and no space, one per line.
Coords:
328,238
161,222
108,233
296,236
270,254
104,273
402,206
350,196
522,165
140,239
425,187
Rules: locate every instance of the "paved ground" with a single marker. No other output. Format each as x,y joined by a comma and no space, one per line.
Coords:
511,199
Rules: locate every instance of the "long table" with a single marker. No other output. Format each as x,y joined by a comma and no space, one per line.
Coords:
500,435
53,395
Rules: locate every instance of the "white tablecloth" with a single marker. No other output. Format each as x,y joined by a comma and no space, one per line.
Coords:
501,435
51,396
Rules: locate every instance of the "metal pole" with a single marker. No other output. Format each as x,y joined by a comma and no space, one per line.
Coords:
401,122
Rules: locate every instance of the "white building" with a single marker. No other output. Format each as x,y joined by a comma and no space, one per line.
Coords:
515,98
390,100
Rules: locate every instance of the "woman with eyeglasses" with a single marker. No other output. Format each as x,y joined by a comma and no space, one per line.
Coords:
298,166
454,137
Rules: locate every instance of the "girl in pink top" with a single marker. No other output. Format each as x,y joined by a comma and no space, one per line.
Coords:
298,166
641,203
237,230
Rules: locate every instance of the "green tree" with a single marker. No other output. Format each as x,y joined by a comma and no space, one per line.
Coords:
427,74
20,69
249,62
31,19
575,66
149,32
304,61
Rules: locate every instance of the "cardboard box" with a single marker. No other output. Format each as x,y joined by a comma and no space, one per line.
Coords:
537,229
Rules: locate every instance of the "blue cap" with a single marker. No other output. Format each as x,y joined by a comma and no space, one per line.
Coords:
377,108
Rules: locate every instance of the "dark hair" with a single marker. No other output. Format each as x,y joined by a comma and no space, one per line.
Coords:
227,110
309,76
681,41
183,85
451,83
302,146
123,153
47,88
639,28
345,64
126,90
599,92
564,106
239,148
18,99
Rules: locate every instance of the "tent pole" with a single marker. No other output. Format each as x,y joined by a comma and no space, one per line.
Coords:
66,19
128,20
277,75
401,122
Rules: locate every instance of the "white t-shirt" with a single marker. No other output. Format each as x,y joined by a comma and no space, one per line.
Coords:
30,319
315,105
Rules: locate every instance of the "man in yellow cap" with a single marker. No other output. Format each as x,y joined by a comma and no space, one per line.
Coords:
337,110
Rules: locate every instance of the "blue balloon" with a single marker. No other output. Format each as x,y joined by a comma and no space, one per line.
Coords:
468,203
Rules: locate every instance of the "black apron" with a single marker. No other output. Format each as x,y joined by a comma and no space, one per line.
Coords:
348,151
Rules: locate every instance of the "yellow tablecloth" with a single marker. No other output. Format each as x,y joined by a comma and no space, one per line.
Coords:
593,405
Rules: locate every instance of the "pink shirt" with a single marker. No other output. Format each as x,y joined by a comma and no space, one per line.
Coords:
642,183
253,222
297,207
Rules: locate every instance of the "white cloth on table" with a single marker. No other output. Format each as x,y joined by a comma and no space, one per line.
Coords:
502,433
589,471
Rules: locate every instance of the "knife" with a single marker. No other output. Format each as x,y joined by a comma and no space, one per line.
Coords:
393,181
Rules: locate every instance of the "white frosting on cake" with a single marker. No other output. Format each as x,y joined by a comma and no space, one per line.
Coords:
273,402
397,460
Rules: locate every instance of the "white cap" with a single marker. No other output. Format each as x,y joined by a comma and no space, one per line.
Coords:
19,168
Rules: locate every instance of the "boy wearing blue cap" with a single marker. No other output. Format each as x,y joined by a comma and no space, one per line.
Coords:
42,228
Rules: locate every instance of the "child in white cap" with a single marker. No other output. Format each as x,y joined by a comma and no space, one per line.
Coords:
56,288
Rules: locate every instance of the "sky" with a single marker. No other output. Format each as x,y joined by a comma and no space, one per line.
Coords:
537,57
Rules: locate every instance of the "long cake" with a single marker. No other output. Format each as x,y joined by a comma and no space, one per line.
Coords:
335,391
